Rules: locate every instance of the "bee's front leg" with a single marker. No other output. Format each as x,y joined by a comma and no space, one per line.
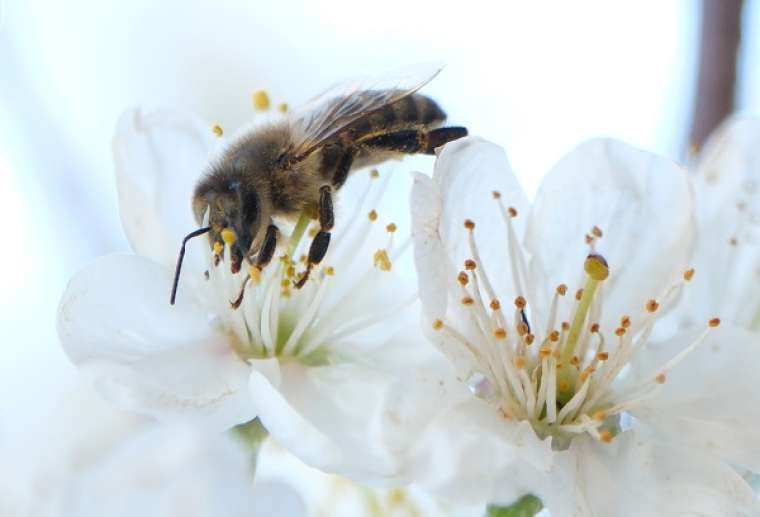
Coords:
321,242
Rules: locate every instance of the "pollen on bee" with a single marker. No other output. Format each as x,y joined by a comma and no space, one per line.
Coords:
217,130
229,237
255,274
688,274
660,378
605,436
652,306
437,324
372,215
381,260
282,107
260,100
391,228
469,224
218,248
714,322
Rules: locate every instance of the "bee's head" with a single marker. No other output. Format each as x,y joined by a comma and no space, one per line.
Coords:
234,215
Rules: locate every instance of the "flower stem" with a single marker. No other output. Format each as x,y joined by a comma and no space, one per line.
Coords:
526,506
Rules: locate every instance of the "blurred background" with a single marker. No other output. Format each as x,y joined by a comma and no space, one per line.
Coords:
535,77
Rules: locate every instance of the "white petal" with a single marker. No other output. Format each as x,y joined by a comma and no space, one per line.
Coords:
636,476
710,401
467,173
347,419
116,324
643,205
158,158
727,188
472,453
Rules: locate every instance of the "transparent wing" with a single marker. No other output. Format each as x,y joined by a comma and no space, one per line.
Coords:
327,114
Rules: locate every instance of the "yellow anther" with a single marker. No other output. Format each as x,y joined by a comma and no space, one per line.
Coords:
374,173
217,130
496,194
467,301
500,333
470,265
372,215
255,273
260,100
462,278
602,356
596,267
605,436
330,271
282,107
594,328
562,289
520,362
660,378
495,305
520,302
652,306
512,211
229,237
596,232
218,248
599,416
714,322
469,224
382,261
391,228
437,325
688,274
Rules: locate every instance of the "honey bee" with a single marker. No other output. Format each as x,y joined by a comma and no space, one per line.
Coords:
295,165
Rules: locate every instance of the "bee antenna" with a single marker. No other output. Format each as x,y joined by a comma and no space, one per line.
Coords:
195,233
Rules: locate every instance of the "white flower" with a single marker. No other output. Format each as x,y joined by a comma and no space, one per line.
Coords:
571,401
320,361
727,254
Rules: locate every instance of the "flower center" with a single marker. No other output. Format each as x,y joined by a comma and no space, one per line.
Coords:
558,376
264,315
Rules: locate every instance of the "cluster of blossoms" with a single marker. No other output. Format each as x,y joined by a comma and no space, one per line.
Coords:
578,353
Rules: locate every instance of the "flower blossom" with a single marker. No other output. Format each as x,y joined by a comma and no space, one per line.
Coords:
314,364
547,311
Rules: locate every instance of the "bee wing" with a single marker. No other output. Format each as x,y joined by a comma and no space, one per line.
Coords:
327,114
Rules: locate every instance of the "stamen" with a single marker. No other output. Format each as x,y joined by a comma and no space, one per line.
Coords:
282,107
688,274
382,261
218,248
217,130
372,215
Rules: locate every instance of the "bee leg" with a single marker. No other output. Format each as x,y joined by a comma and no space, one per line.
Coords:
321,241
413,141
268,246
